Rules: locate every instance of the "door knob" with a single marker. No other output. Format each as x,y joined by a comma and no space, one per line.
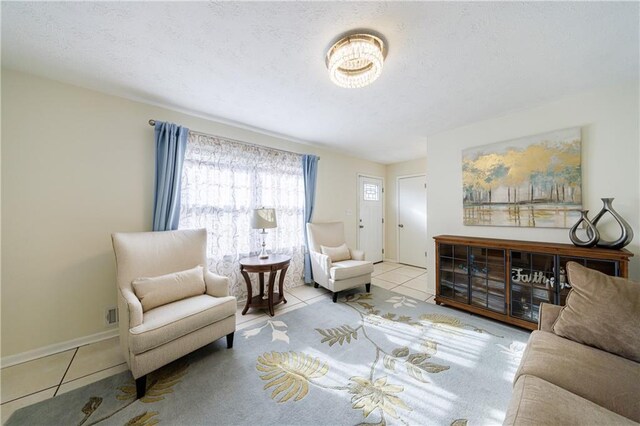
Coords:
400,226
361,226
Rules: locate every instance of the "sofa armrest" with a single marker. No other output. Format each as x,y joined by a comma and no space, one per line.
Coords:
133,314
320,264
357,254
548,315
217,285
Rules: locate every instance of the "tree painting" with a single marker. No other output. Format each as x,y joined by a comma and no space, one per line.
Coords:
534,181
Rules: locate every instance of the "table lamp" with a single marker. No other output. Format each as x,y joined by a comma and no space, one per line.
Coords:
263,218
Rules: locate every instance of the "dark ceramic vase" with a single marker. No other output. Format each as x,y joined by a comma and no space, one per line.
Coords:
626,234
592,233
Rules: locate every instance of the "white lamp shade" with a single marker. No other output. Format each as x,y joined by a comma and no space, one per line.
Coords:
264,218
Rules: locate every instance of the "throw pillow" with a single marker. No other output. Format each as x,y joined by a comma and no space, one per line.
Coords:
601,311
158,291
336,254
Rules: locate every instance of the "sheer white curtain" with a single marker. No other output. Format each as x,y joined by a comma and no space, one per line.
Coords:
222,182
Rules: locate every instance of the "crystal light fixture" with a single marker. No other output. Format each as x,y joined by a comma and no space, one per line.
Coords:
355,60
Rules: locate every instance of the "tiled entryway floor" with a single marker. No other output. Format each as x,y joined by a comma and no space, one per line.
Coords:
34,381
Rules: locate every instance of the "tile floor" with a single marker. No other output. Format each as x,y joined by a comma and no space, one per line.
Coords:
34,381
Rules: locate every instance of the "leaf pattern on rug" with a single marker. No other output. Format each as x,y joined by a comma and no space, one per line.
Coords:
399,301
515,350
162,383
358,296
338,334
380,423
369,396
290,373
389,361
144,419
459,422
91,406
276,334
445,321
404,319
417,363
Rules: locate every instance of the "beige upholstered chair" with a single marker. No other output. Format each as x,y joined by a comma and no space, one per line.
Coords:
336,276
165,333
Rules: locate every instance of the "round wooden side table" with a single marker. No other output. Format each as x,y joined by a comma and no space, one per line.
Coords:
272,264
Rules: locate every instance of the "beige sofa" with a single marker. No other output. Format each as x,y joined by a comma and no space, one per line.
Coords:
562,381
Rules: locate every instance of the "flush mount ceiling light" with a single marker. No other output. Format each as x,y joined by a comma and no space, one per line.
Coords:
356,60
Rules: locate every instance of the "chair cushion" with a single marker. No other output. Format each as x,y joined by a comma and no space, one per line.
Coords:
349,269
601,311
608,380
538,402
158,291
337,254
168,322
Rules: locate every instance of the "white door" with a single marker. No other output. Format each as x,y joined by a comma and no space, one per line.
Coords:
370,223
412,220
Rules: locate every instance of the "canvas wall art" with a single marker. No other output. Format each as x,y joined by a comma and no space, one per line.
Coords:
534,181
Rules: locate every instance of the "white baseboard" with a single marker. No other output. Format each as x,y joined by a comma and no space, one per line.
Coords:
389,260
10,360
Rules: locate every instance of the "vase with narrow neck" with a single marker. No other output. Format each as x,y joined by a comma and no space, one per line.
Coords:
592,233
626,232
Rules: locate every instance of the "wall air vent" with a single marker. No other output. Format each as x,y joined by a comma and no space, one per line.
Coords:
111,315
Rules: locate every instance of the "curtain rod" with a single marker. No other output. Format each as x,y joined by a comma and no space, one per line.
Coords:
152,122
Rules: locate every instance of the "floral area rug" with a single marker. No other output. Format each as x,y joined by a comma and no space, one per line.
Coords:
378,358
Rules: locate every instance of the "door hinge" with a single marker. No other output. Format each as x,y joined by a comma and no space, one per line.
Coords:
383,189
382,251
383,220
425,186
425,254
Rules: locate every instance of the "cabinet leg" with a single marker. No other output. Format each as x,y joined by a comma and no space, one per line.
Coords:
229,340
368,287
335,297
315,285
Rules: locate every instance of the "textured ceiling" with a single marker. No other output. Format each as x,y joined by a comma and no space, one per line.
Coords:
262,64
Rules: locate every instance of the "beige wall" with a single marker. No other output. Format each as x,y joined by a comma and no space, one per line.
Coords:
394,171
78,165
609,119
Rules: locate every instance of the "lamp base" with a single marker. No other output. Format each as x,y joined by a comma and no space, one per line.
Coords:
263,253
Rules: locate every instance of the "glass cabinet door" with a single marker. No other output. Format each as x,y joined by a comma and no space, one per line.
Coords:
609,267
446,270
532,283
454,275
488,278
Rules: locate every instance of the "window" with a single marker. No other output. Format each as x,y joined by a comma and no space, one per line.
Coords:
371,192
222,182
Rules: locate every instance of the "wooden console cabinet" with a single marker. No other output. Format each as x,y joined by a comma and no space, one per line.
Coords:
507,280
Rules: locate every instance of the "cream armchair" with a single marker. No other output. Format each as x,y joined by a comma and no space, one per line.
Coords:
158,336
340,275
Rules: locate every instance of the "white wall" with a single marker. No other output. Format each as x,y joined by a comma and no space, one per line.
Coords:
78,165
609,119
405,168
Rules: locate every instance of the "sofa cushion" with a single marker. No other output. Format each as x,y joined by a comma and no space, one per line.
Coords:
336,254
158,291
601,311
538,402
349,269
168,322
603,378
